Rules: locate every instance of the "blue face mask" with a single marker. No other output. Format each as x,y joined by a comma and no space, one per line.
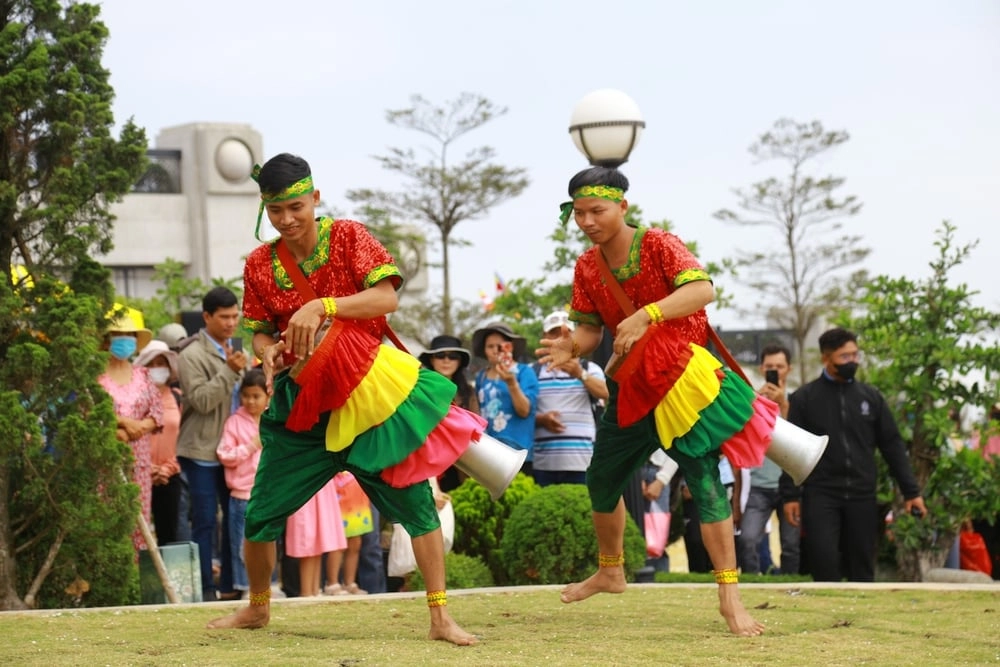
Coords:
122,347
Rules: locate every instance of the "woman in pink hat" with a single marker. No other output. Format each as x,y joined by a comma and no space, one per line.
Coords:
160,363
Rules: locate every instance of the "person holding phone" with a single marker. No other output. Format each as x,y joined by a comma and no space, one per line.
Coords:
764,498
507,391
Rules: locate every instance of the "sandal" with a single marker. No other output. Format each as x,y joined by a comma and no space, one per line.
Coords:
353,589
334,589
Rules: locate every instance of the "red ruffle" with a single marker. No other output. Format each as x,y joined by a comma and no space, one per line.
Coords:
445,444
649,372
336,367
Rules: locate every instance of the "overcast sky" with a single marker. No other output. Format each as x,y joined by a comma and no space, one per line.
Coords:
916,83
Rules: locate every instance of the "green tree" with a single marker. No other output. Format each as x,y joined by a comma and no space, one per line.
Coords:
65,511
443,193
799,278
924,340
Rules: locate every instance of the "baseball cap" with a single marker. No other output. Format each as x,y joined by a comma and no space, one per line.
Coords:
555,320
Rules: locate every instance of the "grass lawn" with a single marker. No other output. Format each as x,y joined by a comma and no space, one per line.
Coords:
663,624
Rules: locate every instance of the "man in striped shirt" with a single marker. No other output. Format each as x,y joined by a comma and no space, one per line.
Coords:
564,419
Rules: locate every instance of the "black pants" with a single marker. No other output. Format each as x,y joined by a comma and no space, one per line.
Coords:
166,503
840,536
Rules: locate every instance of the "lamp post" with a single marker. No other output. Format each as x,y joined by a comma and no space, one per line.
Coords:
606,125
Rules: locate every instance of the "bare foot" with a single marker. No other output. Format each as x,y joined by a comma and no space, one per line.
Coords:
445,628
739,620
605,580
248,617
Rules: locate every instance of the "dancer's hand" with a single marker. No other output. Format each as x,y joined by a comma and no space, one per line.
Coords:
273,361
302,327
629,331
558,351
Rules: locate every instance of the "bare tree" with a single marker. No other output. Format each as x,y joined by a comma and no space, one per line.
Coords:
444,194
801,279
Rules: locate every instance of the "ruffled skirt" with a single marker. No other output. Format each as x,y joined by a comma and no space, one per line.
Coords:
395,415
698,406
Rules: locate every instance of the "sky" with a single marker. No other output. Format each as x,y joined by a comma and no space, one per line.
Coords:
916,84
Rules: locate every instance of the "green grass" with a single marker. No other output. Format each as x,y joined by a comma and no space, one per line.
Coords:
649,624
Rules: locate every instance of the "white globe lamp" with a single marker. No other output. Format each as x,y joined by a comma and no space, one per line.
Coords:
606,125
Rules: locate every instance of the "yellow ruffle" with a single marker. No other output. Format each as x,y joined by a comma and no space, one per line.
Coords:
389,382
696,388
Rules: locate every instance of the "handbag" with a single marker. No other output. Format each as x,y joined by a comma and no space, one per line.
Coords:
657,525
973,554
401,560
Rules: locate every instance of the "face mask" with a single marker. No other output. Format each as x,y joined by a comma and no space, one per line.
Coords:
159,375
846,371
122,347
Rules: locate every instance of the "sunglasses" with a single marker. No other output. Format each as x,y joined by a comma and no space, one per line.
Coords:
453,356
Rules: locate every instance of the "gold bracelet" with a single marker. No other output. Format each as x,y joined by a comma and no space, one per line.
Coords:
260,599
727,576
611,561
437,599
654,312
329,306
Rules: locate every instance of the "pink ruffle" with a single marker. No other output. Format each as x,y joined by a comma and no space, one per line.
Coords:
445,444
746,449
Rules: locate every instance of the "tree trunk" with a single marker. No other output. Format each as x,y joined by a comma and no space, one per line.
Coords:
913,564
446,297
9,599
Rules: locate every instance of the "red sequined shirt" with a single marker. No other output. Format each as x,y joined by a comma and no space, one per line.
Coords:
347,260
657,265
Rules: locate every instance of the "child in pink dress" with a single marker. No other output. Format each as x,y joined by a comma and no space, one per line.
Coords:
357,513
239,453
315,529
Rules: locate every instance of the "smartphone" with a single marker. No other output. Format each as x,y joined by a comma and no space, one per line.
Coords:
507,356
771,376
236,344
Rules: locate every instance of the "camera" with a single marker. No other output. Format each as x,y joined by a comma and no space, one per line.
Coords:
771,376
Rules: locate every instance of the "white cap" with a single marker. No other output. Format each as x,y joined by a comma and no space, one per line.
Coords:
556,320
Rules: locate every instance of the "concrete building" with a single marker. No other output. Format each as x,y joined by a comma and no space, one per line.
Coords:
196,204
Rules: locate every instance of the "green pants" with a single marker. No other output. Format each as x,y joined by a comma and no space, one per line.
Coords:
619,452
295,466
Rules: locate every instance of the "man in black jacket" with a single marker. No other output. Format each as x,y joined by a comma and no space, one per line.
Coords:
837,505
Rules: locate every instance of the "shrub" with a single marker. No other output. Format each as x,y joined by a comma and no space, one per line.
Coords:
462,571
549,538
479,521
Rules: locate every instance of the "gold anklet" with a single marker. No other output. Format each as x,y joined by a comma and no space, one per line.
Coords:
437,599
728,576
260,599
611,561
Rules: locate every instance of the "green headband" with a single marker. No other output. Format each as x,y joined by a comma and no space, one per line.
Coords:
600,191
297,189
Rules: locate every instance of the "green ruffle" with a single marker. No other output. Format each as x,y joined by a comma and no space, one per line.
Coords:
722,419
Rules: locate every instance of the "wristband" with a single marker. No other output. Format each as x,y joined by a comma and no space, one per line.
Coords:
654,312
329,306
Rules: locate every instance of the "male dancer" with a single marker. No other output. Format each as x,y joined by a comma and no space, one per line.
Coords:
347,402
677,398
